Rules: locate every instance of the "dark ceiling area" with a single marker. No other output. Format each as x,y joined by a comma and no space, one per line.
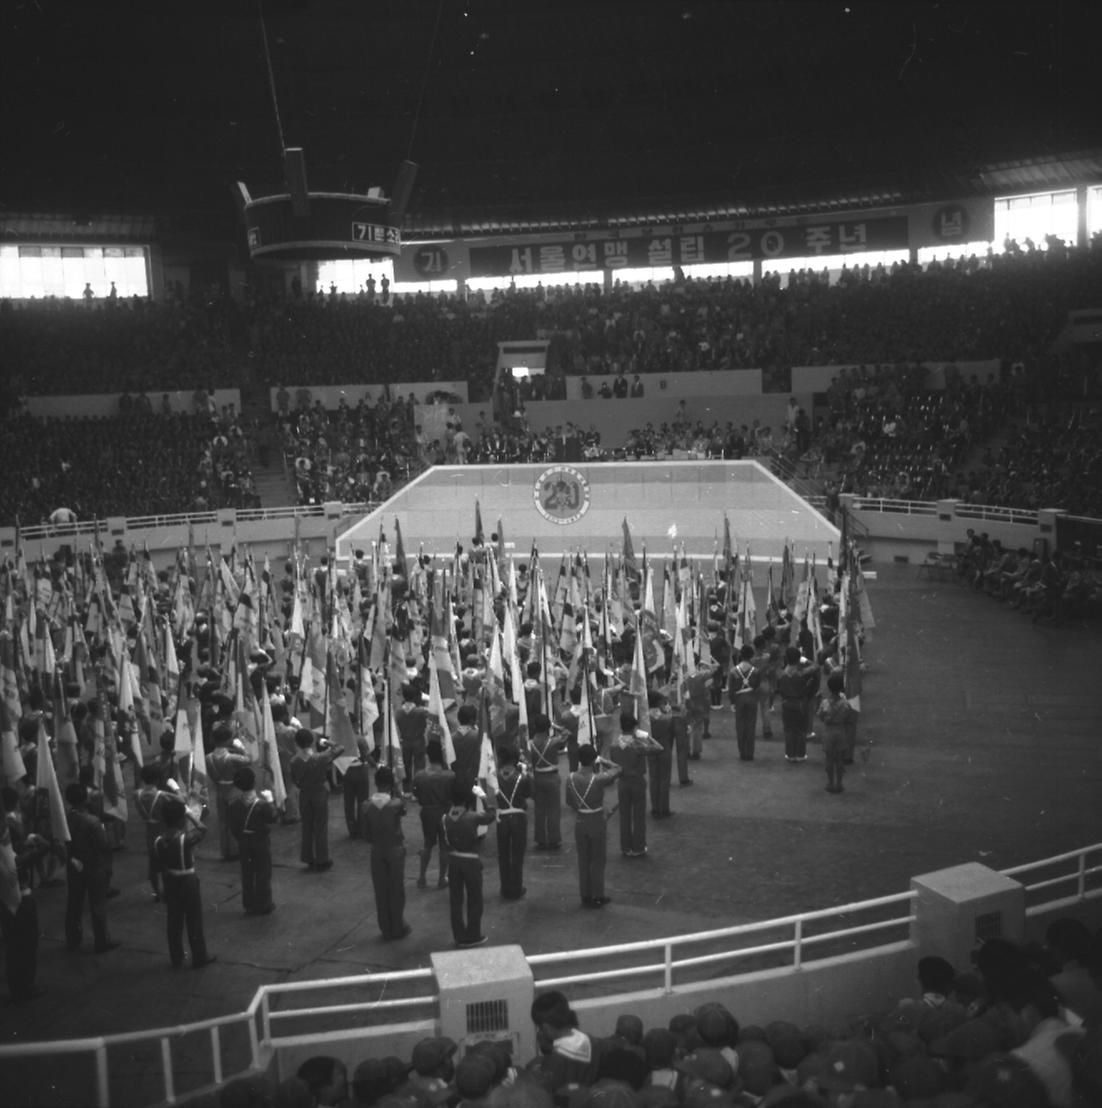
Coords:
531,107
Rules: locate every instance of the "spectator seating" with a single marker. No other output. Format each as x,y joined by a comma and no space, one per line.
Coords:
886,433
1008,306
143,464
351,454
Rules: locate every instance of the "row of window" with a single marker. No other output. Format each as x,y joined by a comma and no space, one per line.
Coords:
73,271
94,272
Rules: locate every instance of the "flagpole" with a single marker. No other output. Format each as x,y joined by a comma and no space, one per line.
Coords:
325,699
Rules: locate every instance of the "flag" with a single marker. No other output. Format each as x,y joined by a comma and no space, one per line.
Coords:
849,645
814,622
65,737
436,711
682,662
487,764
46,785
198,783
647,630
399,549
312,680
246,712
788,579
587,727
11,761
270,750
479,531
494,697
183,729
338,721
487,775
637,685
500,549
630,564
393,740
128,710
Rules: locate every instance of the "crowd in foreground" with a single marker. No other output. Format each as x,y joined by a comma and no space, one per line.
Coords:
1022,1029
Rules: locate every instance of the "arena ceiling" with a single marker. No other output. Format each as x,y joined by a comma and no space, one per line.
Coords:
527,109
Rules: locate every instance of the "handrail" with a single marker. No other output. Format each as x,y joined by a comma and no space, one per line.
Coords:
724,932
797,943
990,512
37,532
280,988
995,513
887,504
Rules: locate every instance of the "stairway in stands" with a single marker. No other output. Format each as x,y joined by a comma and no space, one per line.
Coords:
273,486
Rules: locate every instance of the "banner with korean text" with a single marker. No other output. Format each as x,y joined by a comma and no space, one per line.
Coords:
748,242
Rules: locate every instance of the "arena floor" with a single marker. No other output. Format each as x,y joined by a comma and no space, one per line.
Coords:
981,732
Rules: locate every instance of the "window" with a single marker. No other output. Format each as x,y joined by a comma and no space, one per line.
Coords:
351,274
1034,217
28,272
834,263
1094,211
947,251
534,280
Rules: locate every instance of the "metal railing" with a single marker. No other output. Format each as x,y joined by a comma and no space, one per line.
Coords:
793,942
89,528
1079,870
796,943
884,504
781,467
990,513
414,996
99,1050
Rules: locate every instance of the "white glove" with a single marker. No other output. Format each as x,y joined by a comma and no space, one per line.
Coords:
172,786
266,794
479,791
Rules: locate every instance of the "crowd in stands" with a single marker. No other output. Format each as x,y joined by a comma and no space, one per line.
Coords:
1007,306
889,435
352,454
61,347
886,433
515,440
142,463
1044,464
1023,1029
1051,587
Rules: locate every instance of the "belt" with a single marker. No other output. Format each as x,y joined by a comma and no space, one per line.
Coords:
461,854
546,769
179,872
511,811
588,811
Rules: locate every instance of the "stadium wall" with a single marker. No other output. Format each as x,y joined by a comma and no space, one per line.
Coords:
614,419
705,383
101,405
886,529
817,378
331,395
